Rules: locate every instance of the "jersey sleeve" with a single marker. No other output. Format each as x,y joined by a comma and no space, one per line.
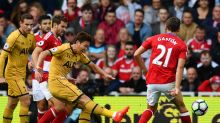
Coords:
84,59
44,43
147,44
56,51
183,52
10,42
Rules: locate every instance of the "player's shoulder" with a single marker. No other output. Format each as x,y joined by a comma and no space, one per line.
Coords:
48,35
119,59
15,33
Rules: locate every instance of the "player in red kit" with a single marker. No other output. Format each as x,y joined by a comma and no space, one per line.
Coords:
49,40
165,69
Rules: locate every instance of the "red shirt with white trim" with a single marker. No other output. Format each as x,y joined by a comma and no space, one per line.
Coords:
124,67
198,46
47,42
166,50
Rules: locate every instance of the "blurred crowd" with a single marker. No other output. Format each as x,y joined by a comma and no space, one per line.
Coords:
119,27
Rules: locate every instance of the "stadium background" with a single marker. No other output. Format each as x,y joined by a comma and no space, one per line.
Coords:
137,104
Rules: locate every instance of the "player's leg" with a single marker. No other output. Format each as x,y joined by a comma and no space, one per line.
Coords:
92,107
24,108
153,96
39,97
184,114
9,109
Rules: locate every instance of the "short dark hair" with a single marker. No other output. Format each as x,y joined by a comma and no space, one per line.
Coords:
87,7
58,19
43,17
2,16
129,43
200,27
173,24
205,52
110,9
82,37
139,10
26,16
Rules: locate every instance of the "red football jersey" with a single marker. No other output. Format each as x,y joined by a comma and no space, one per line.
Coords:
47,42
166,50
124,68
199,46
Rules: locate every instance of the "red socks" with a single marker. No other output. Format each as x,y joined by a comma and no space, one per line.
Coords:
185,117
61,117
48,116
146,115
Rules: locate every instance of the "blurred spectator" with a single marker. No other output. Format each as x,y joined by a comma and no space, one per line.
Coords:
126,11
20,8
212,25
69,35
7,6
215,50
159,27
207,68
122,67
57,12
86,22
85,84
97,50
5,29
187,27
202,12
191,82
106,86
109,57
72,11
36,10
123,37
136,83
151,12
102,9
210,85
139,30
178,8
199,43
111,26
191,61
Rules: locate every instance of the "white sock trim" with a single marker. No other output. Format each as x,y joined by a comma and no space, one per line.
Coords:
184,114
40,112
54,114
150,111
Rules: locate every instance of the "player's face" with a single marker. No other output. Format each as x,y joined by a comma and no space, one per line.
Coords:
138,18
45,26
26,25
62,28
200,34
187,18
129,51
83,47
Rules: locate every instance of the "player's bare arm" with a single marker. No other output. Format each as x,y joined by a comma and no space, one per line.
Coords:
100,71
179,76
137,57
40,60
35,55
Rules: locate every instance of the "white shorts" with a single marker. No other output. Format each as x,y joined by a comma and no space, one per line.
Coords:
154,91
40,90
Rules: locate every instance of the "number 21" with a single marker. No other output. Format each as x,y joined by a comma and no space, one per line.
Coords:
162,53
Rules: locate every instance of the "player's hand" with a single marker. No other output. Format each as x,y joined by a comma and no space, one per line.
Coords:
108,77
38,76
175,92
2,80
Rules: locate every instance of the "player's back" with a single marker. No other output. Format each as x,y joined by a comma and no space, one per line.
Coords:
166,50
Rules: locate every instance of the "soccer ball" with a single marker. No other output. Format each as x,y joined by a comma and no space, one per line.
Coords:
199,107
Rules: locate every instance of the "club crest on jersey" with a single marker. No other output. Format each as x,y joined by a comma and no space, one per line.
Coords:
6,46
53,49
40,43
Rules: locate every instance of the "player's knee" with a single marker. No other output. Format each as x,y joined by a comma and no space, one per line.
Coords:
25,103
12,106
